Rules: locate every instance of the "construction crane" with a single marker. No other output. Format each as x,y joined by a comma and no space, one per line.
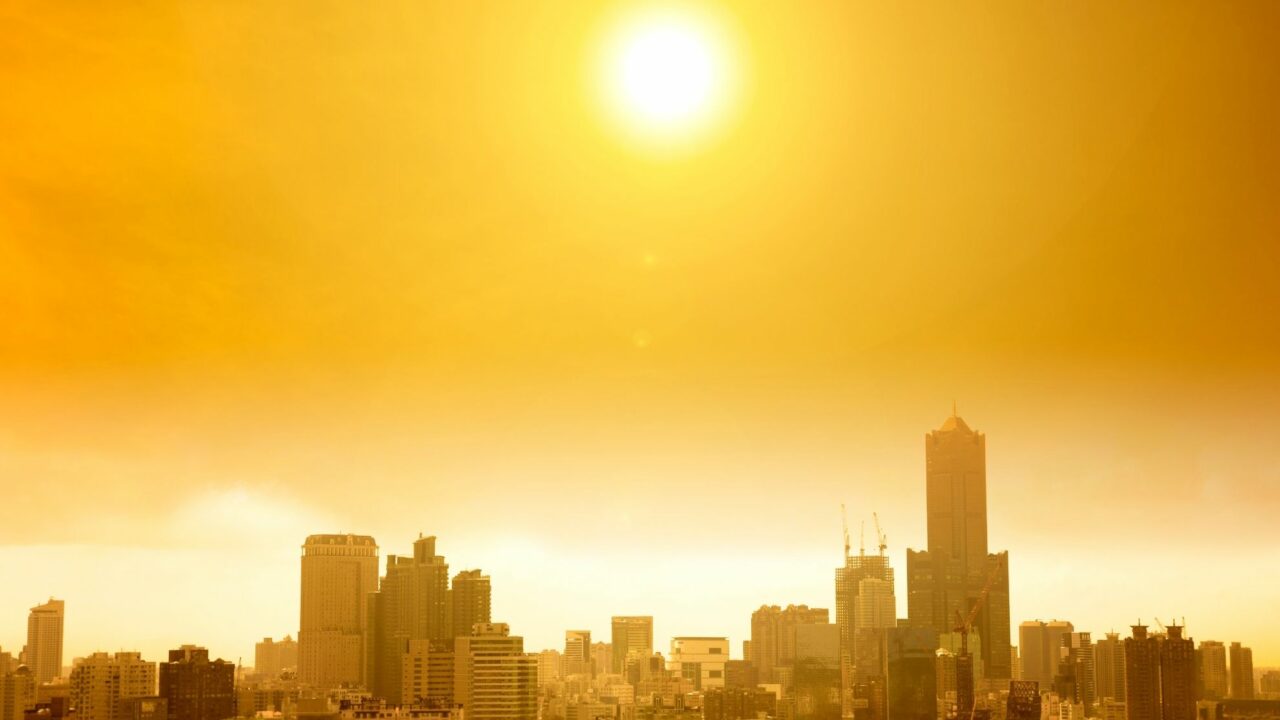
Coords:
964,625
862,538
844,519
880,536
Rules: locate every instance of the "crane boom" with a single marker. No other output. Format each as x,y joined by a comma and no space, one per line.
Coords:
880,536
844,519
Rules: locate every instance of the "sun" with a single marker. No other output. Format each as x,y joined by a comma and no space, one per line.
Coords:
666,73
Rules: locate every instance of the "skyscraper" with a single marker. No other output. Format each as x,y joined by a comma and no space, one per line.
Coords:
98,683
338,573
411,604
862,621
44,640
1076,670
1241,672
1142,675
632,637
1211,661
196,688
494,679
949,576
1177,675
469,601
912,673
1108,667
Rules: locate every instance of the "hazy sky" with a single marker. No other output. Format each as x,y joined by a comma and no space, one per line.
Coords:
275,269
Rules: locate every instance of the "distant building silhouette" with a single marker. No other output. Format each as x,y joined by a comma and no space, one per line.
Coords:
17,690
273,657
1241,672
949,576
197,688
1075,677
338,574
1040,649
44,640
632,637
773,636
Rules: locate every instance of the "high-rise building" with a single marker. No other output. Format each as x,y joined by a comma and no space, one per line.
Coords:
338,574
1211,662
550,667
911,663
17,691
1241,672
863,621
632,637
1108,668
273,657
699,660
773,636
1024,700
99,681
1040,649
577,652
949,576
44,640
1270,683
1177,675
815,670
469,601
1076,671
411,604
493,677
197,688
1142,675
601,658
427,673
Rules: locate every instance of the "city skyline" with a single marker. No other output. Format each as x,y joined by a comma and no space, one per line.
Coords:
742,623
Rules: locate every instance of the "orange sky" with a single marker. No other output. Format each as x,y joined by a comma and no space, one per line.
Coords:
273,270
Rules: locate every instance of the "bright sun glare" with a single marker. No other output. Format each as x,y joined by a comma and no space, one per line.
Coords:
666,72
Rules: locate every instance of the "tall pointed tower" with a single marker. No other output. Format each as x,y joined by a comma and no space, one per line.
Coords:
947,577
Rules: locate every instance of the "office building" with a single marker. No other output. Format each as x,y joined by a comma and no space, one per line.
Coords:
1241,672
338,574
493,677
699,660
197,688
577,652
951,573
427,674
411,604
1075,676
98,683
271,658
44,640
469,601
632,637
